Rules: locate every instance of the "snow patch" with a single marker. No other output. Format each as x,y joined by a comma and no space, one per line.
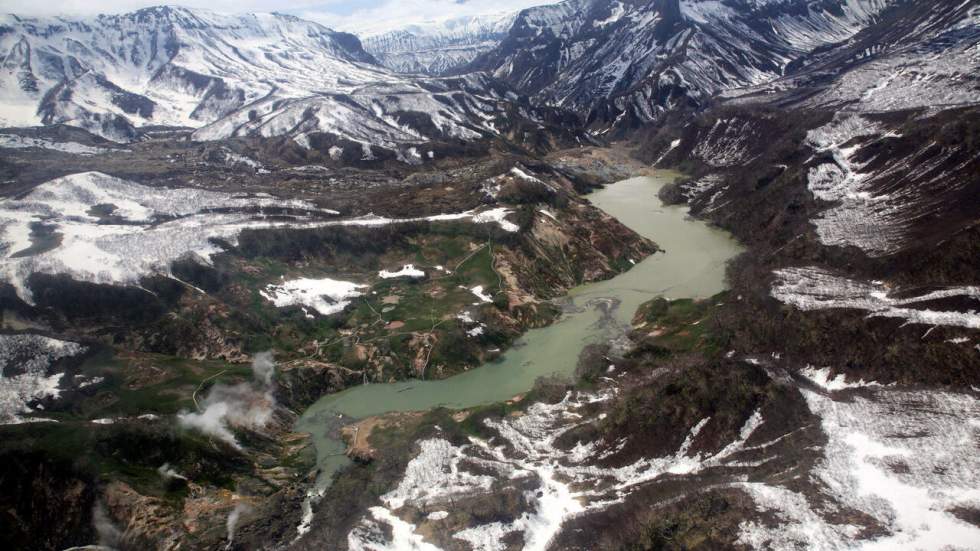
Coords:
821,377
408,270
480,293
326,296
497,215
14,141
26,362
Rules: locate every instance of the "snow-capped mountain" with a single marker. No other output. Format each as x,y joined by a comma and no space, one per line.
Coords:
438,47
605,58
258,75
170,66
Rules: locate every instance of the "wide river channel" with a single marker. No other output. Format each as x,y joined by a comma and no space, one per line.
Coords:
692,265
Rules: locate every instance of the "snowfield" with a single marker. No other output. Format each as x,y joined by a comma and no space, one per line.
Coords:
872,222
25,373
262,75
821,377
936,68
435,47
408,270
650,58
146,230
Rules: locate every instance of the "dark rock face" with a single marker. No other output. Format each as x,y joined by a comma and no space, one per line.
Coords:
46,503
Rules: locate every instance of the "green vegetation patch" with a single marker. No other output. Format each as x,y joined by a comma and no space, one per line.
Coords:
665,326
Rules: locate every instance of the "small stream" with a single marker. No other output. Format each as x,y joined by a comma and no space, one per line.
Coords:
693,265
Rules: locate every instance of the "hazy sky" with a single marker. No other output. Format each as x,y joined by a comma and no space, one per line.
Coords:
340,14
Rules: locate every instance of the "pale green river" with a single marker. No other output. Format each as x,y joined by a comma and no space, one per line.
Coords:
692,265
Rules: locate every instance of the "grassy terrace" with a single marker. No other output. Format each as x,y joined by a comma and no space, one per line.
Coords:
399,327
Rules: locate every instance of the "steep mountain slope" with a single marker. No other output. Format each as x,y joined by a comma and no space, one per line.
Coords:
637,59
253,75
438,47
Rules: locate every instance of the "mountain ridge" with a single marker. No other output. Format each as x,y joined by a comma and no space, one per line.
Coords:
602,59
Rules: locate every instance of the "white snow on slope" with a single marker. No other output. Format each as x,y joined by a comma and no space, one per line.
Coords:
616,13
496,215
935,67
326,296
872,222
904,458
25,372
567,481
155,227
369,536
191,66
480,293
821,377
516,171
226,75
435,473
673,145
14,141
725,144
370,116
813,288
650,57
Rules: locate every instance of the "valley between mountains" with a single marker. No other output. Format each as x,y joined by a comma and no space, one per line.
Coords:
664,274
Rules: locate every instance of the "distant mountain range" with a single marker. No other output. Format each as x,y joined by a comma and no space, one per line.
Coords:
258,75
439,47
612,64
